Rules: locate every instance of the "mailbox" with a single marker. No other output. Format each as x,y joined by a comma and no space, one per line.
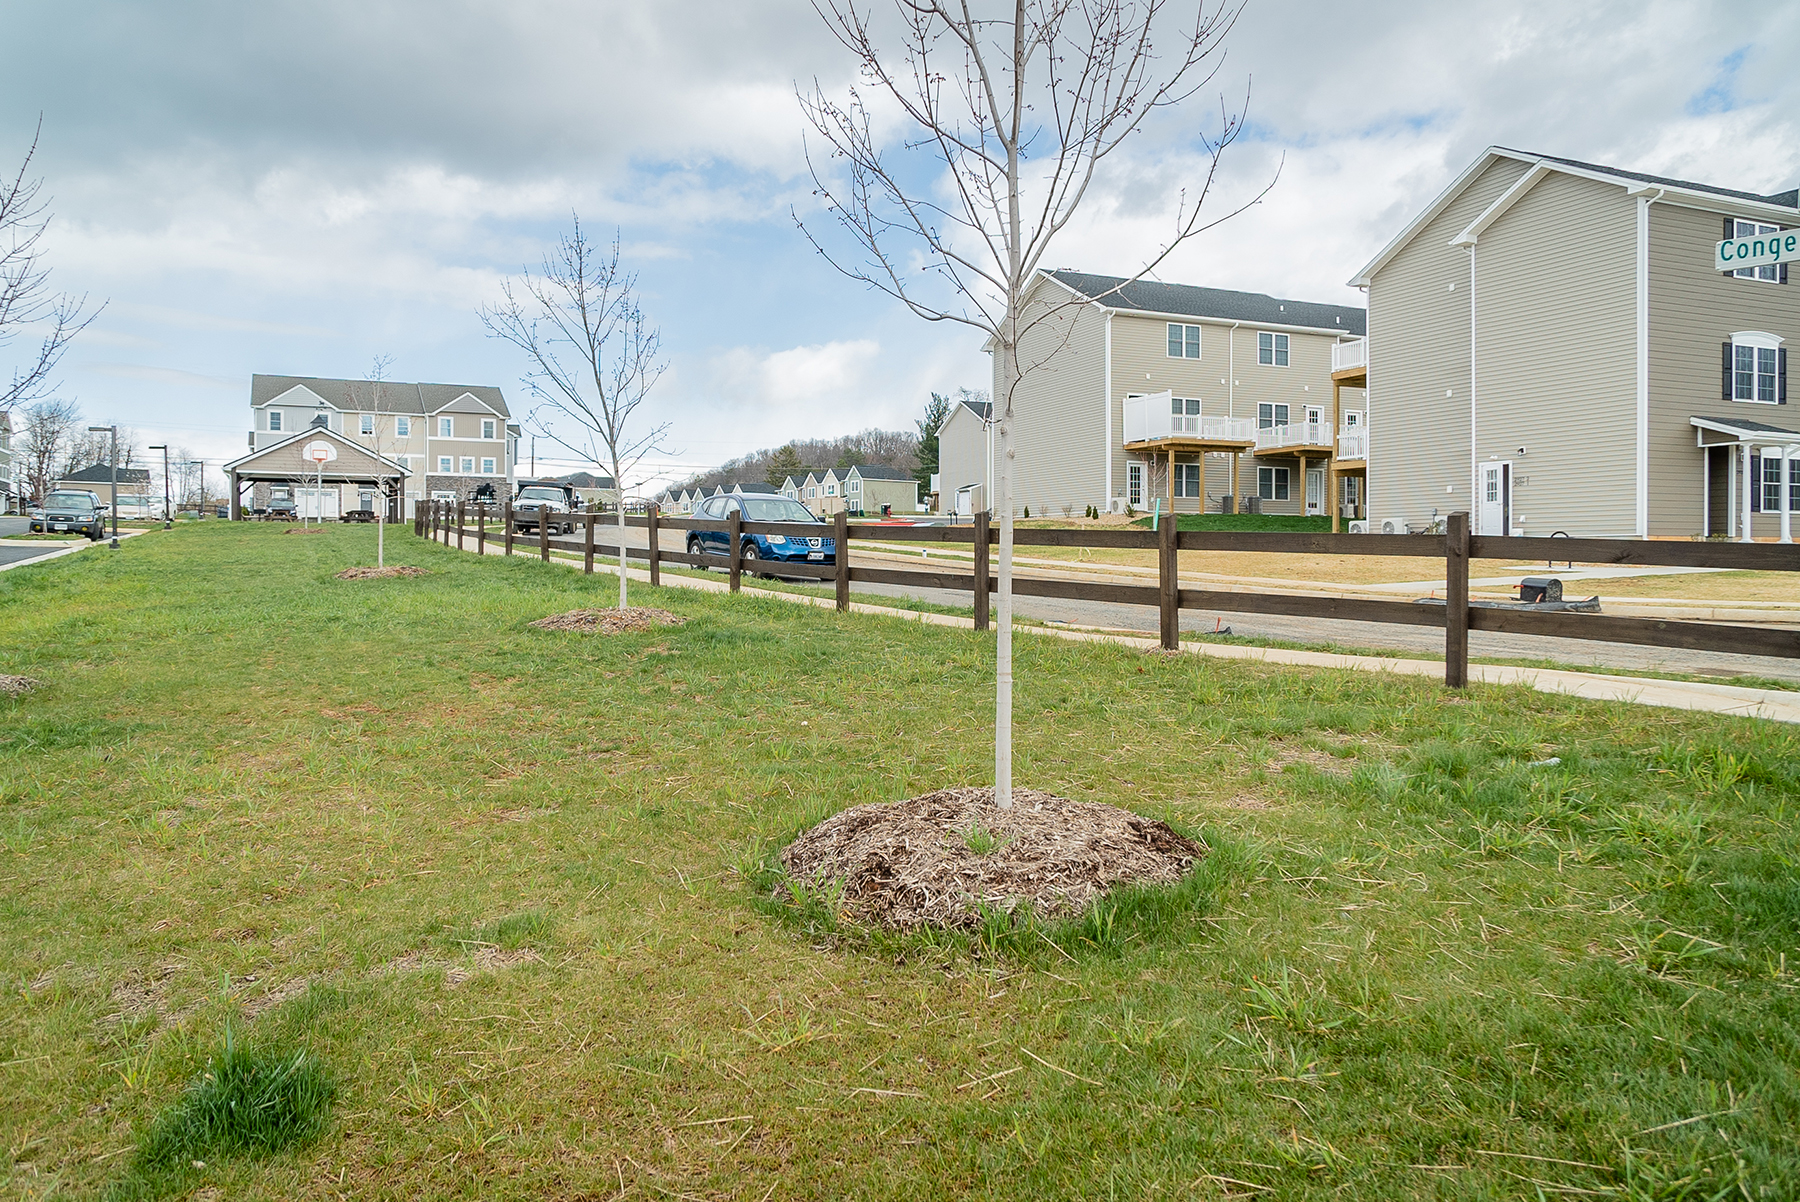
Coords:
1540,588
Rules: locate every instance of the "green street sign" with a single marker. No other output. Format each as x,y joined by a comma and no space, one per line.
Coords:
1759,250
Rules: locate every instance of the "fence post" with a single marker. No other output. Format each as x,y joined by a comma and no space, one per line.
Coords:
437,520
735,532
462,515
1168,583
650,521
587,546
481,528
982,521
506,514
1456,601
840,532
544,533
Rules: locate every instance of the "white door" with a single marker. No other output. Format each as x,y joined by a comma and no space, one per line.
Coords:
1134,485
1315,490
1315,415
1494,499
321,503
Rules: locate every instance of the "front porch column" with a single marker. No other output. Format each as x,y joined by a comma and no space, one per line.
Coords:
1787,492
1749,484
237,504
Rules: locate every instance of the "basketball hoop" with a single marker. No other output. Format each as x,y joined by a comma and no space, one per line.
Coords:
320,452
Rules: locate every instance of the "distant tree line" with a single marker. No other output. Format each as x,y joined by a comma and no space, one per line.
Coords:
772,465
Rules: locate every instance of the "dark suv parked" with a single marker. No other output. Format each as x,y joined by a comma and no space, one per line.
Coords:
780,548
75,512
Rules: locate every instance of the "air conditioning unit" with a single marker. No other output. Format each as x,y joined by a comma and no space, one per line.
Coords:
1359,527
1116,505
1393,526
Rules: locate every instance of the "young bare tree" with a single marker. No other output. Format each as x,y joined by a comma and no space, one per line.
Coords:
1011,117
44,440
594,357
377,396
25,296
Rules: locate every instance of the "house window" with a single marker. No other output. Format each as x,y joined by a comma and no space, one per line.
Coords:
1269,416
1756,368
444,464
487,427
275,419
445,429
1754,229
1184,341
1134,484
403,427
1771,482
1272,483
1187,479
1794,485
487,467
1184,414
405,462
1272,349
831,490
368,423
468,465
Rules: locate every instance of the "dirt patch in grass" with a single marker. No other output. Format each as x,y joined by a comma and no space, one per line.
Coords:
273,996
15,685
485,958
937,860
380,573
304,530
609,621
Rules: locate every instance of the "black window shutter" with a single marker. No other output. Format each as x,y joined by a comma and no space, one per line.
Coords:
1756,484
1725,371
1730,229
1783,273
1781,376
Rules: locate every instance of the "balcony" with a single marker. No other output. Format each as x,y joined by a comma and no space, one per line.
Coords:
1350,356
1353,444
1301,436
1152,419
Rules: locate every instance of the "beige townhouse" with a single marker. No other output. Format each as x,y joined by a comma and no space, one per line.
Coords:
449,439
1559,346
1133,391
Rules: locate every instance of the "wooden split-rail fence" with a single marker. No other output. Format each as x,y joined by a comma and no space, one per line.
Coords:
449,523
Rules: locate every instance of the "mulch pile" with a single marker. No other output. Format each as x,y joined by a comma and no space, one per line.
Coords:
380,573
609,621
14,685
907,864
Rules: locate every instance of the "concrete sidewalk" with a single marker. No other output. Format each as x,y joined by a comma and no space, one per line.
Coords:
1774,705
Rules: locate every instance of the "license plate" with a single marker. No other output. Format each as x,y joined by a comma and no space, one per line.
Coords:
815,555
52,528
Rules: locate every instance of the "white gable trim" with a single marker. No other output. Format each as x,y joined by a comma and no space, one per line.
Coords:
1505,201
313,399
1492,155
467,396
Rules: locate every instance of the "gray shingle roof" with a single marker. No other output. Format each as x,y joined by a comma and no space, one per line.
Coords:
981,409
101,473
873,471
1747,426
1188,300
1789,199
397,396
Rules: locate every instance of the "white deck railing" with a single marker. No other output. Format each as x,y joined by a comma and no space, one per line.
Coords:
1152,417
1346,355
1353,444
1300,434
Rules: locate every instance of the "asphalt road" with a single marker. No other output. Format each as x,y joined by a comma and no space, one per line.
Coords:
1382,636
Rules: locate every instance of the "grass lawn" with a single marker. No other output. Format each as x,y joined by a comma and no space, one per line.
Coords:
489,889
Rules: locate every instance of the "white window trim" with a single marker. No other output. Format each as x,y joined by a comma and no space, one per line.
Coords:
488,426
467,463
403,427
444,462
1276,337
1757,230
1277,477
1762,340
1199,340
366,423
1286,419
487,466
274,421
446,428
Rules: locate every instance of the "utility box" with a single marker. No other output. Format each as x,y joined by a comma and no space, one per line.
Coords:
1535,589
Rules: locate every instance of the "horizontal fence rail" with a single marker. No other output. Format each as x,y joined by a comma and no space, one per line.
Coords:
448,523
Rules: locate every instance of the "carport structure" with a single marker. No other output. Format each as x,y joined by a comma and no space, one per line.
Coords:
292,462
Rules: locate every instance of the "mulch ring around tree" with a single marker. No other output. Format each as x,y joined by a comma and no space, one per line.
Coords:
936,860
386,573
609,621
12,686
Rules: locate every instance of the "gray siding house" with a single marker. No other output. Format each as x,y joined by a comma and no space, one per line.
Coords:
1137,390
1552,349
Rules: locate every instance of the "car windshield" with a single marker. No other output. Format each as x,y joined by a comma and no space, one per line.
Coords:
70,500
776,509
540,494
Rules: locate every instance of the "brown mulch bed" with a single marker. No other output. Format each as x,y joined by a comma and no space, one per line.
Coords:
304,530
14,685
381,573
908,864
609,621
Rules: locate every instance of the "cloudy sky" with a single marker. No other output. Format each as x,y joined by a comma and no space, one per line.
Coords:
296,188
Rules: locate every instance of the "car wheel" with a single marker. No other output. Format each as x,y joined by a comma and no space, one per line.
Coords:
694,548
750,558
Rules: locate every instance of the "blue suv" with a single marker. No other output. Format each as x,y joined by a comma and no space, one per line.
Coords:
777,548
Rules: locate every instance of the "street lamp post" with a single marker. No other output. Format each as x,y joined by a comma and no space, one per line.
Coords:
168,513
114,457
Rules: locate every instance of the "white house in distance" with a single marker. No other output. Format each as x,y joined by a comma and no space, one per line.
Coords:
1206,398
449,439
1554,346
